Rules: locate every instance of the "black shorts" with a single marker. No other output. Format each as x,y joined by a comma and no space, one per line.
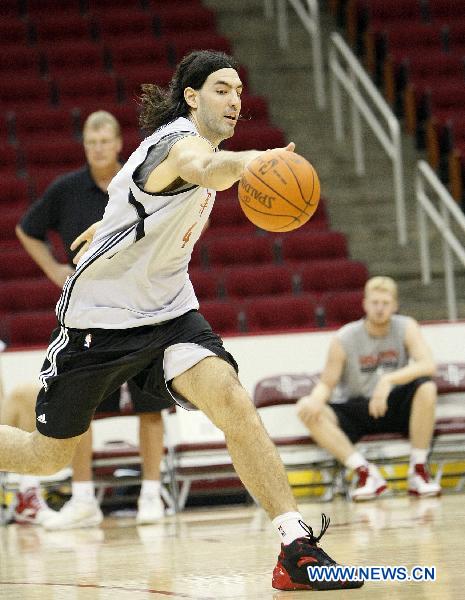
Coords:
83,367
355,420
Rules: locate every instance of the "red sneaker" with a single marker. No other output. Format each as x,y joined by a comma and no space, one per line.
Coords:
31,507
291,572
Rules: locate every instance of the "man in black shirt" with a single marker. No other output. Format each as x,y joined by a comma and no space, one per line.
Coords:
69,205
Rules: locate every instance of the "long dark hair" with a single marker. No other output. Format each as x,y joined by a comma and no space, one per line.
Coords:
160,106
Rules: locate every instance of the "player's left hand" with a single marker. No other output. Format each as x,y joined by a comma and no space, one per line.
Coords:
377,406
85,239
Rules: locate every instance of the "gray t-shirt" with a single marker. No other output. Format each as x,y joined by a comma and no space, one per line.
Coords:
368,357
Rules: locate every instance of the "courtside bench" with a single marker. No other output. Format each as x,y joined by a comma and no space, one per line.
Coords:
275,397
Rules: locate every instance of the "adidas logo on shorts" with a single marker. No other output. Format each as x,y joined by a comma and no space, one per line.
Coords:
41,419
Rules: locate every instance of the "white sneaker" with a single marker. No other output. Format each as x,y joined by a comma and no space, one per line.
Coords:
150,510
369,484
421,484
76,514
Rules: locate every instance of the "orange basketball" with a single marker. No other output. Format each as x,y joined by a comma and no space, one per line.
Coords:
279,191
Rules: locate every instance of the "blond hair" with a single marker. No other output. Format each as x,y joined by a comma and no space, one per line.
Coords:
382,284
100,118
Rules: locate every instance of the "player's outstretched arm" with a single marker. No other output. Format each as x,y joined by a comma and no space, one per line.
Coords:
194,160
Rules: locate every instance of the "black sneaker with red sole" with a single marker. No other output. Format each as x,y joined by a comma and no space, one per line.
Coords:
291,571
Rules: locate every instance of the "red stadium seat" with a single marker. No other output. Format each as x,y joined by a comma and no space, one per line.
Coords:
9,159
445,10
11,8
254,109
33,294
230,251
8,222
41,9
175,19
454,34
260,280
104,6
250,136
131,140
53,152
14,31
27,92
337,274
24,329
302,246
87,89
281,313
198,258
419,67
227,217
207,284
73,57
62,28
145,51
404,36
421,102
124,23
342,307
14,192
16,60
17,264
38,123
225,318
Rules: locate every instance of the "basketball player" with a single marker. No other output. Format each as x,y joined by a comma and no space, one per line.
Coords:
384,367
68,206
129,310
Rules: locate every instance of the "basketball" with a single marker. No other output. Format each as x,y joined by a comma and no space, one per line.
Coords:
279,191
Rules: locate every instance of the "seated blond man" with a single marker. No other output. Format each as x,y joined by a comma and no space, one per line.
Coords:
383,367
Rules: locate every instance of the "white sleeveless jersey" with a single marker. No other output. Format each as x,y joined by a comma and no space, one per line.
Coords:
135,270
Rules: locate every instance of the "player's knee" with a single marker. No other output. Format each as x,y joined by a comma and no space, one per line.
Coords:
427,393
237,407
47,456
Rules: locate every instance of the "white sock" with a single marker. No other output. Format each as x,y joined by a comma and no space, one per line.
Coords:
83,491
289,527
418,456
356,460
150,488
26,482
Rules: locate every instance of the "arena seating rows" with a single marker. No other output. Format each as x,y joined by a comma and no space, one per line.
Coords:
415,50
61,61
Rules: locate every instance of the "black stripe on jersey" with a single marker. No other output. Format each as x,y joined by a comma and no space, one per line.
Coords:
63,302
140,229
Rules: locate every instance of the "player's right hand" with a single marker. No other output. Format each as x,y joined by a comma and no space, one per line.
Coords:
310,409
85,239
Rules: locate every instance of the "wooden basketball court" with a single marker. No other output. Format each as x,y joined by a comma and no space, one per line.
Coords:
229,553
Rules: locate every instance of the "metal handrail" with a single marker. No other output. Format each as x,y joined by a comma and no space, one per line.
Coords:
347,72
442,220
309,14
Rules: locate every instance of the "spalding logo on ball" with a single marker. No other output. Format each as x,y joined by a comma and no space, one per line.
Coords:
279,191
